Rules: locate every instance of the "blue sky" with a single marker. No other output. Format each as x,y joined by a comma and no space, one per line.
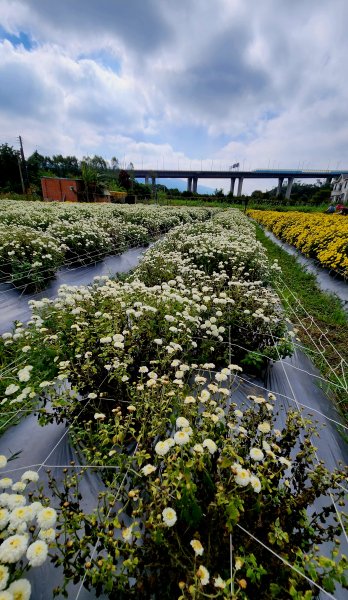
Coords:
189,83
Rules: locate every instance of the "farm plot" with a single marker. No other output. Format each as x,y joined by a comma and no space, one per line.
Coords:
142,370
37,241
323,237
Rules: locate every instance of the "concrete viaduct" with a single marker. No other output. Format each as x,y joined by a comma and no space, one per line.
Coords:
193,176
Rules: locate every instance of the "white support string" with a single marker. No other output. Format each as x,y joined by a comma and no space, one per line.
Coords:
315,451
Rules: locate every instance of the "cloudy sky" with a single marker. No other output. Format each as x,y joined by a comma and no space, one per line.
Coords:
178,83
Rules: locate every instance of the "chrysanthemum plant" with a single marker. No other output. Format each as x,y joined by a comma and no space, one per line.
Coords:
190,478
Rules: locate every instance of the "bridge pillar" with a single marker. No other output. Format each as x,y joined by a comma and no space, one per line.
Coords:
280,185
233,181
240,185
146,180
189,184
328,180
194,185
289,187
153,183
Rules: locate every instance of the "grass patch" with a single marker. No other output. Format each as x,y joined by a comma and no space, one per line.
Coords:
319,317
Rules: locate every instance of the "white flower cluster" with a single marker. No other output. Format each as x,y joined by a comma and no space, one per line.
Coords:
17,521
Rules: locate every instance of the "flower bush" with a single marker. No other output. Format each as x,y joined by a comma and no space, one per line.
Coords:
28,257
26,533
323,237
212,308
35,243
190,475
203,481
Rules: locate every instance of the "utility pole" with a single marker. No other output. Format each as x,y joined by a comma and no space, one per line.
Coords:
20,172
26,179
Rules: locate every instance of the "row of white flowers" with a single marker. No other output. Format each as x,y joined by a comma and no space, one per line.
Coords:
151,363
36,241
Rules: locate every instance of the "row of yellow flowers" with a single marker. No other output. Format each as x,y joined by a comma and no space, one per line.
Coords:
320,236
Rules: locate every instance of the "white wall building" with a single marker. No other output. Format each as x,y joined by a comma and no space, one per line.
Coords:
339,194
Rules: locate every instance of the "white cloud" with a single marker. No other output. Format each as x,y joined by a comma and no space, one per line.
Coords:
262,83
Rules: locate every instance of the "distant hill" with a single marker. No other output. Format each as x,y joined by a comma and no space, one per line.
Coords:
181,185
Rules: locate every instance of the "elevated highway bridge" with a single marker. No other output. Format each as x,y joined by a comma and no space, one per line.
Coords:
233,175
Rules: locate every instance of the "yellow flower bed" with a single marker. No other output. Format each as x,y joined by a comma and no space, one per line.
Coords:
320,236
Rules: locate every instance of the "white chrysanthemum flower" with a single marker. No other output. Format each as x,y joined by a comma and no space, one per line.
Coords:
6,595
47,535
131,408
219,583
127,534
92,396
256,454
20,589
210,445
19,486
266,446
255,483
13,548
26,349
3,461
152,375
182,422
4,498
11,389
5,482
242,477
198,448
169,516
36,507
15,500
118,337
37,553
24,374
221,377
235,368
197,547
162,448
148,469
105,340
4,517
4,575
46,518
264,427
203,575
181,438
204,396
158,341
30,476
238,413
190,400
20,515
99,416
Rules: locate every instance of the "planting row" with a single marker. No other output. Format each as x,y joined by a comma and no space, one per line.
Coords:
323,237
37,239
146,371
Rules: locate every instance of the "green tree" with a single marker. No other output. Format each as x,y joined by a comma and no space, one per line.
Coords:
10,180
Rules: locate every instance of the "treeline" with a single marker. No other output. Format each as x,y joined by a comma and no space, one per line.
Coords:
101,174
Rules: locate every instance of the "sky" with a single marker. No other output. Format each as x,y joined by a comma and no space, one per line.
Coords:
178,83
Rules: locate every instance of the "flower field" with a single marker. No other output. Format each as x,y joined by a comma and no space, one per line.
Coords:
323,237
36,242
150,374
